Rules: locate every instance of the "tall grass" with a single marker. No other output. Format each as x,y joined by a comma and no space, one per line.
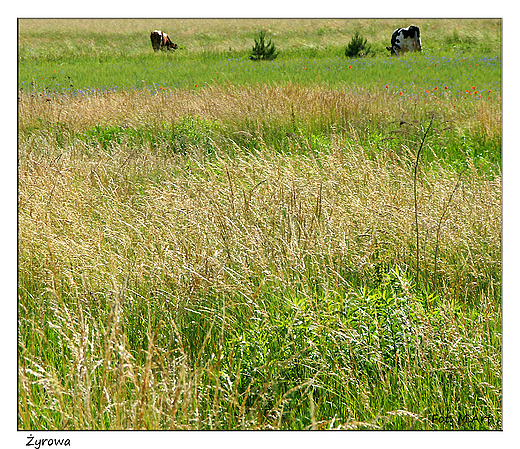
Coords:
211,278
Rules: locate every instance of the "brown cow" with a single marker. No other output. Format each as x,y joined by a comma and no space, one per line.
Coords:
161,41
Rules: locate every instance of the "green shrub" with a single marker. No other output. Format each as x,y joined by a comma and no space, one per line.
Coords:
262,49
357,47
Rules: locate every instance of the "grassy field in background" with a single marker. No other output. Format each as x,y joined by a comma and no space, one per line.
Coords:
207,242
63,38
116,55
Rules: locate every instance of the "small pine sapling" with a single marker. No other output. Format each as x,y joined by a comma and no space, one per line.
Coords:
357,47
262,49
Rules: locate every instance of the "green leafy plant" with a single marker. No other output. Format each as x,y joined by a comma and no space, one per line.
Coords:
263,49
186,133
357,47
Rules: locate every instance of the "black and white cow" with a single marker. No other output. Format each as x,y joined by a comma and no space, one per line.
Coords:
405,39
161,41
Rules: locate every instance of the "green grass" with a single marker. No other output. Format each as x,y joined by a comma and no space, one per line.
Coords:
242,254
411,75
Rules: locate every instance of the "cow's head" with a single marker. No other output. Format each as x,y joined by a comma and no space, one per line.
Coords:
167,42
393,51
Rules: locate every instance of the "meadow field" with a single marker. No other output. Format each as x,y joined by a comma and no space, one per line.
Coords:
210,242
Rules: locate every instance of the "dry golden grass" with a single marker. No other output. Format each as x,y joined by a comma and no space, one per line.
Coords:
225,104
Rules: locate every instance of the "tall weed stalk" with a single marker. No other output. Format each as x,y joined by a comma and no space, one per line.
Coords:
416,213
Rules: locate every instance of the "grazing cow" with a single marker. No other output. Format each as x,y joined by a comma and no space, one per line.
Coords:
405,39
161,41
